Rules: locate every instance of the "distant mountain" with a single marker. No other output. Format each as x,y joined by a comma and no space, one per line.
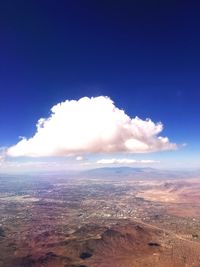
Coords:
141,173
117,171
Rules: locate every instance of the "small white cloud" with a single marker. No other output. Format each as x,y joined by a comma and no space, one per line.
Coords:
1,160
124,161
2,155
91,125
149,161
79,158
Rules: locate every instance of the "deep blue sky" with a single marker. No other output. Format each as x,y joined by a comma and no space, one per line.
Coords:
143,54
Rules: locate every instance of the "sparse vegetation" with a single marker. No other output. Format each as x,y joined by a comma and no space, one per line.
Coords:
88,222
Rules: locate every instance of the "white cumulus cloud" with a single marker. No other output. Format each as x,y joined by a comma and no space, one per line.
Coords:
124,161
91,125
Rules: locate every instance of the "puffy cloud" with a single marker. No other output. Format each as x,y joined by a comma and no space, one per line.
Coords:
91,125
124,161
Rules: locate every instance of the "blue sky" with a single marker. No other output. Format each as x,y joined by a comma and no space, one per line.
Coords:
144,56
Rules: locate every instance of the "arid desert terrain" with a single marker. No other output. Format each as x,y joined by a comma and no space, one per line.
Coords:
117,218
